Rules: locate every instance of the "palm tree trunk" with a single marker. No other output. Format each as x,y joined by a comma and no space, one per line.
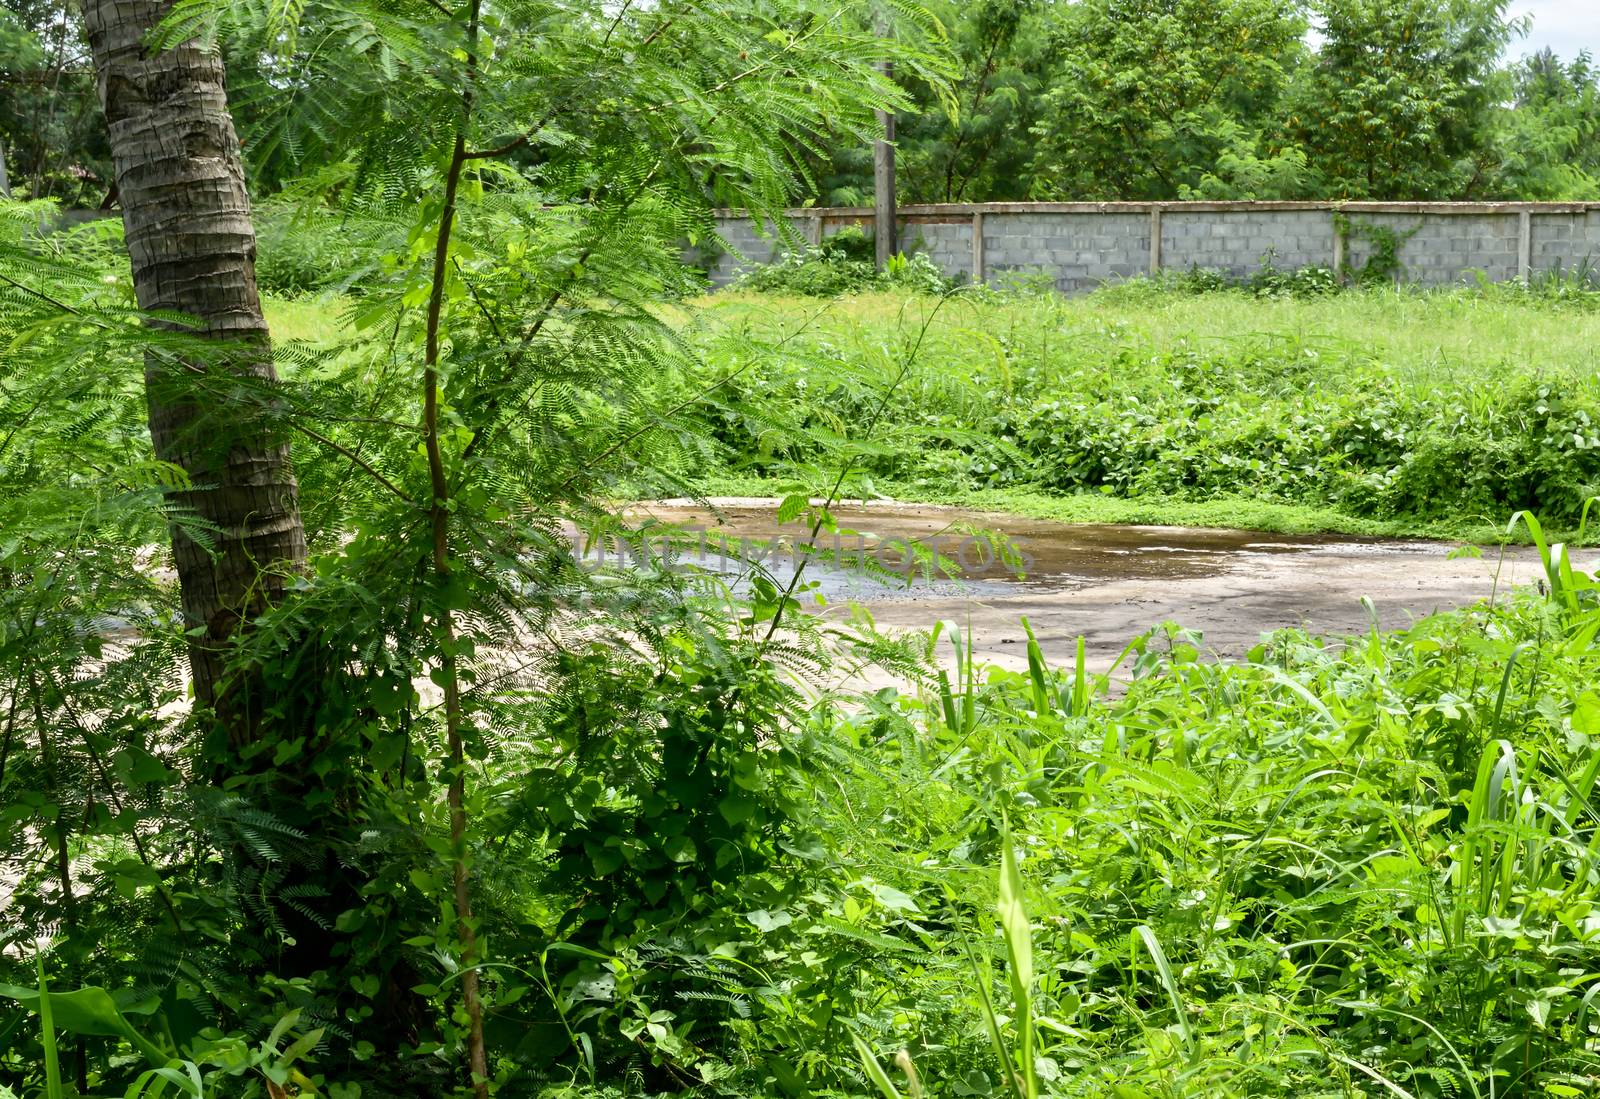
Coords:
189,235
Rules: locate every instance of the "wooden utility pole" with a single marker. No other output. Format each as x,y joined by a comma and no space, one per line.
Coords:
884,228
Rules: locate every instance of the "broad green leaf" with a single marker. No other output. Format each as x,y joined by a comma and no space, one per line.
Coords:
91,1012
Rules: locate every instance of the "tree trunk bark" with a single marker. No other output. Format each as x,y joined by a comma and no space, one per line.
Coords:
187,219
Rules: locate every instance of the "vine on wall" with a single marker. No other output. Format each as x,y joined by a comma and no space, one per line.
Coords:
1383,262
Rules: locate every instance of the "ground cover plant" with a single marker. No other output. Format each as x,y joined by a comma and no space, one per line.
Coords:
1372,410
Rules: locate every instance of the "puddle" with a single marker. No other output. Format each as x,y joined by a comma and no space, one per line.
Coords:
1108,584
883,552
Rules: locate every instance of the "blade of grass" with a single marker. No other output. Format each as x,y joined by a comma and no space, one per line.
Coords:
1080,683
47,1036
1038,675
1018,936
1145,934
874,1070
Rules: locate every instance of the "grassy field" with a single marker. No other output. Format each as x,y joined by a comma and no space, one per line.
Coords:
1419,338
1379,412
1422,338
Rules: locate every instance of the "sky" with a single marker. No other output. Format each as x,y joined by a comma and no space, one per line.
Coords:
1566,26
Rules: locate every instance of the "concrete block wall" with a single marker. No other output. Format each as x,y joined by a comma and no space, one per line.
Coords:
1081,250
1082,245
1239,244
1439,251
745,243
947,243
1566,242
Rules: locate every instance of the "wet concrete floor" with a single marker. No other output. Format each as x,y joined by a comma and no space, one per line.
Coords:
1104,583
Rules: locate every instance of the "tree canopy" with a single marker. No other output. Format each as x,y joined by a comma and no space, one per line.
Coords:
1173,99
1088,99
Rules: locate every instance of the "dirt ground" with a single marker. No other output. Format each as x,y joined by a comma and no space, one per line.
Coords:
1108,584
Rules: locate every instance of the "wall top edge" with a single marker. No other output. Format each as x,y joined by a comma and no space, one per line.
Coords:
1364,207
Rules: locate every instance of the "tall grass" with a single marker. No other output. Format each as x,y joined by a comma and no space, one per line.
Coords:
1420,337
1368,867
1428,412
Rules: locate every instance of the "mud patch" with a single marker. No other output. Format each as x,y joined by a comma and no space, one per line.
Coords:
1108,584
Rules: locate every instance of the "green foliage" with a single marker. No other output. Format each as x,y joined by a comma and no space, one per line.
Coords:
969,140
1174,99
604,793
268,1067
843,264
304,249
963,135
1326,865
1320,868
1167,99
1400,101
1269,281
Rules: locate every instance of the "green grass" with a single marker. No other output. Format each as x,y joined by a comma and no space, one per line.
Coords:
1421,338
309,319
1384,412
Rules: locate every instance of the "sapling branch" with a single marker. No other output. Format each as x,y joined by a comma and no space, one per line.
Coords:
693,399
906,362
439,521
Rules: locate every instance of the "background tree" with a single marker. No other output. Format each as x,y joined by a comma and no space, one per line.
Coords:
1548,136
50,122
970,138
1169,99
1400,100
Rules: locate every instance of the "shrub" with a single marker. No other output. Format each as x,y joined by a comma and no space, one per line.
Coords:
843,264
302,251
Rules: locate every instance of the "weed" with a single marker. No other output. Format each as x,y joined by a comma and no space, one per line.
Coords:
1421,411
843,264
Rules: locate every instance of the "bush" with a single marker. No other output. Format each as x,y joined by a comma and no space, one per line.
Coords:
1272,281
843,264
1052,393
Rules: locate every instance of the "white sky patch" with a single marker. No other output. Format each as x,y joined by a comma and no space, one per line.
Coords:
1566,26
